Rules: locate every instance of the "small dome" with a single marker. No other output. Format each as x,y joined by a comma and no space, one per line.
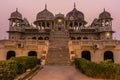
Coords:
105,15
45,15
75,14
16,14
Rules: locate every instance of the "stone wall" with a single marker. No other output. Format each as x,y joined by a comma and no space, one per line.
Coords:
97,48
23,47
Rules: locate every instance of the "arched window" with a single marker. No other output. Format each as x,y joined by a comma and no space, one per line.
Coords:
32,53
40,38
43,24
10,54
80,24
48,24
86,55
108,55
72,38
85,38
75,24
71,24
34,38
46,38
78,38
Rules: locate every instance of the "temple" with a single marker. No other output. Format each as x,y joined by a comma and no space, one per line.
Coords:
58,39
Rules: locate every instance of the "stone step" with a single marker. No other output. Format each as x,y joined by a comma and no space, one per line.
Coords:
54,56
58,52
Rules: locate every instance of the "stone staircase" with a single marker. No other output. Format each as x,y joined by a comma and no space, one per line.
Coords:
58,52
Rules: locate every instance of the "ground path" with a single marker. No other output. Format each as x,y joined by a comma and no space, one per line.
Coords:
60,73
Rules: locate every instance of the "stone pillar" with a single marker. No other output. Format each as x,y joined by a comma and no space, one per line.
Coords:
54,26
65,24
51,25
78,26
40,25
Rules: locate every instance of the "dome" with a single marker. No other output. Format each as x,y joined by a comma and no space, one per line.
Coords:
75,15
16,14
59,15
105,15
45,15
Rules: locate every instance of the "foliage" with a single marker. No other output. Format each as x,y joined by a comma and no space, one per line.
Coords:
105,69
25,62
9,69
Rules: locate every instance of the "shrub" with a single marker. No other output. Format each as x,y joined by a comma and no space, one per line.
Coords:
9,69
25,62
105,69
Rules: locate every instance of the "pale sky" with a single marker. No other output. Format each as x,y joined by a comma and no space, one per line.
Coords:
29,9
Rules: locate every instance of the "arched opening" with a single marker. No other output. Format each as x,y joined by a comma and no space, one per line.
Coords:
80,24
46,38
71,24
40,38
43,24
86,55
34,38
10,54
32,53
85,38
75,24
47,24
108,55
78,38
72,38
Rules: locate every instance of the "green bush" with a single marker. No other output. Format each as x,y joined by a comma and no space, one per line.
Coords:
105,69
9,69
25,62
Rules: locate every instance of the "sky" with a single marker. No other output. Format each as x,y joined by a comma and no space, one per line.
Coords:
30,8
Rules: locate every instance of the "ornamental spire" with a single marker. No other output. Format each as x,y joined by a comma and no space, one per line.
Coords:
104,9
74,5
45,6
16,9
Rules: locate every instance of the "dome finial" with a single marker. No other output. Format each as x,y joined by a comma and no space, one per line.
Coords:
74,5
104,9
45,6
16,9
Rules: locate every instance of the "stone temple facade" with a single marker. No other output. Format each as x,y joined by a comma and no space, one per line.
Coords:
58,39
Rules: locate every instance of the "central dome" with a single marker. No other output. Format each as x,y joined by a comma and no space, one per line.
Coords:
75,15
45,15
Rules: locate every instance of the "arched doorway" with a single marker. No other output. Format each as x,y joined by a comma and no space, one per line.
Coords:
108,55
72,38
78,38
85,38
10,54
86,55
34,38
32,53
40,38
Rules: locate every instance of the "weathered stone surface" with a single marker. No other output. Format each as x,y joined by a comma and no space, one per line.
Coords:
58,52
60,73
